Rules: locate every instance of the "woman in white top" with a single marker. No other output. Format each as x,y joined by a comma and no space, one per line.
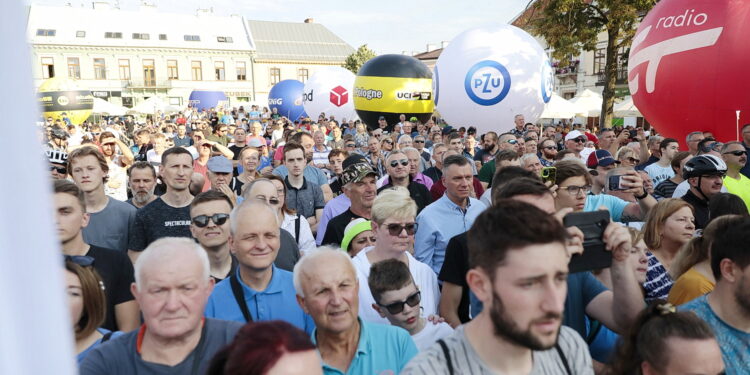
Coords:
394,225
290,221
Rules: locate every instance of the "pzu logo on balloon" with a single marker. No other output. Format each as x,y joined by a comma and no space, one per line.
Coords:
487,82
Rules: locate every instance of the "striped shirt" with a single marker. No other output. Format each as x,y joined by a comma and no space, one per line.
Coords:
658,282
465,359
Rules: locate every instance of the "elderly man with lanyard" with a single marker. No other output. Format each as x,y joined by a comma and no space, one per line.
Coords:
172,284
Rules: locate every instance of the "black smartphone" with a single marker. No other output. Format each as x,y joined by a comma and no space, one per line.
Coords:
548,174
614,183
633,133
594,256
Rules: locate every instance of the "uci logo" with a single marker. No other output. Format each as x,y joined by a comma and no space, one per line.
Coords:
487,82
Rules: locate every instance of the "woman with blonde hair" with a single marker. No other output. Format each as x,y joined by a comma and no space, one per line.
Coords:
627,157
691,269
669,225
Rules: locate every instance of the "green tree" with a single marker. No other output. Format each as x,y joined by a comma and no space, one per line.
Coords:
572,26
354,61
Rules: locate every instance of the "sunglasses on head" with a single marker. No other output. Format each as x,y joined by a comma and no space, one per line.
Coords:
61,170
396,229
81,260
735,153
202,220
404,162
398,307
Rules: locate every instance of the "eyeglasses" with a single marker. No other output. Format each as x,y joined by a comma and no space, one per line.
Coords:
398,307
403,162
396,229
271,201
512,141
350,145
202,220
735,153
577,190
633,160
579,140
711,147
388,141
418,141
61,170
81,260
550,147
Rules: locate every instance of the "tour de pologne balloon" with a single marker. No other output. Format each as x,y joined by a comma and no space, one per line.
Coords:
391,85
329,91
688,67
487,75
61,95
286,97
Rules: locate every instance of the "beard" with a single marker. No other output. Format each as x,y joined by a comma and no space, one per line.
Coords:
141,197
506,328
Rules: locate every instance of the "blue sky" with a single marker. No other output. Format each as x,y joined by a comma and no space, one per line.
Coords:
387,26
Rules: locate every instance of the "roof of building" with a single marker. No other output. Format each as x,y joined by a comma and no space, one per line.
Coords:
429,55
79,26
293,41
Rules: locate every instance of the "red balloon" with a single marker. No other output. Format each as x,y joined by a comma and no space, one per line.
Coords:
689,67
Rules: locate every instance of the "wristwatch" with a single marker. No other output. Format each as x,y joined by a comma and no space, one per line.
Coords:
645,194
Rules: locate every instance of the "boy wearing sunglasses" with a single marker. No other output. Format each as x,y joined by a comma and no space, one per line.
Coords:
397,299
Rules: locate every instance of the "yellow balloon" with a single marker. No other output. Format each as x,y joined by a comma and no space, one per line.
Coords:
61,95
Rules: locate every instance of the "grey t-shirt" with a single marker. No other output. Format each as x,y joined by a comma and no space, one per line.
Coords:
119,356
466,361
111,227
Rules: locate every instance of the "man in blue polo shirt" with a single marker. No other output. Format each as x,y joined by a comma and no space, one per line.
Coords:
257,290
327,288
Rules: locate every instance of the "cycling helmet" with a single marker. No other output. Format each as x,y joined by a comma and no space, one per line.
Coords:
57,156
704,165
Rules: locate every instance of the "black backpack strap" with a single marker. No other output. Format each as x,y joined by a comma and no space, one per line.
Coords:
239,296
562,357
107,336
447,354
296,228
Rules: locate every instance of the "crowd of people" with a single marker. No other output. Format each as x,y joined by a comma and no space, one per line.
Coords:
220,241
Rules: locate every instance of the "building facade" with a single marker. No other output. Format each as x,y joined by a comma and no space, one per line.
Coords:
126,57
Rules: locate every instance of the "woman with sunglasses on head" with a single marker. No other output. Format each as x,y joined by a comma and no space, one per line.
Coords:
394,226
290,220
87,304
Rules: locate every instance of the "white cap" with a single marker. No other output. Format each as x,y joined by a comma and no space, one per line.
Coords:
573,134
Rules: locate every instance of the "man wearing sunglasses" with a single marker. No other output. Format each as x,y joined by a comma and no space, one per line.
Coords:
398,166
58,162
209,213
397,299
574,141
257,290
547,152
735,157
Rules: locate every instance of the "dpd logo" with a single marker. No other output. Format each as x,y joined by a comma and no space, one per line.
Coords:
487,82
339,96
307,97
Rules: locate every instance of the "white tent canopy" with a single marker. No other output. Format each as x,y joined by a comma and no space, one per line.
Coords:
102,106
557,107
153,105
626,108
589,102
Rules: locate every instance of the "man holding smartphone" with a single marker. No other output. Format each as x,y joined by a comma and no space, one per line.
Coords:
600,164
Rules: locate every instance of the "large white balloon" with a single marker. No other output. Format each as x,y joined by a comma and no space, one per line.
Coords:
488,75
329,91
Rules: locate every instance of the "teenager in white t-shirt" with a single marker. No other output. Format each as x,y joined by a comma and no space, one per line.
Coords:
398,300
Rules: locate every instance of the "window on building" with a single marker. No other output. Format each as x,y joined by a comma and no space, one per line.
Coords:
74,68
124,69
303,74
45,32
224,39
220,72
100,70
80,34
196,71
275,76
48,67
162,36
599,60
141,36
192,38
112,35
149,73
241,71
172,69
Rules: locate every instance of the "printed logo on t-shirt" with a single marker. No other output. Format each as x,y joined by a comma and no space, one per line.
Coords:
176,223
